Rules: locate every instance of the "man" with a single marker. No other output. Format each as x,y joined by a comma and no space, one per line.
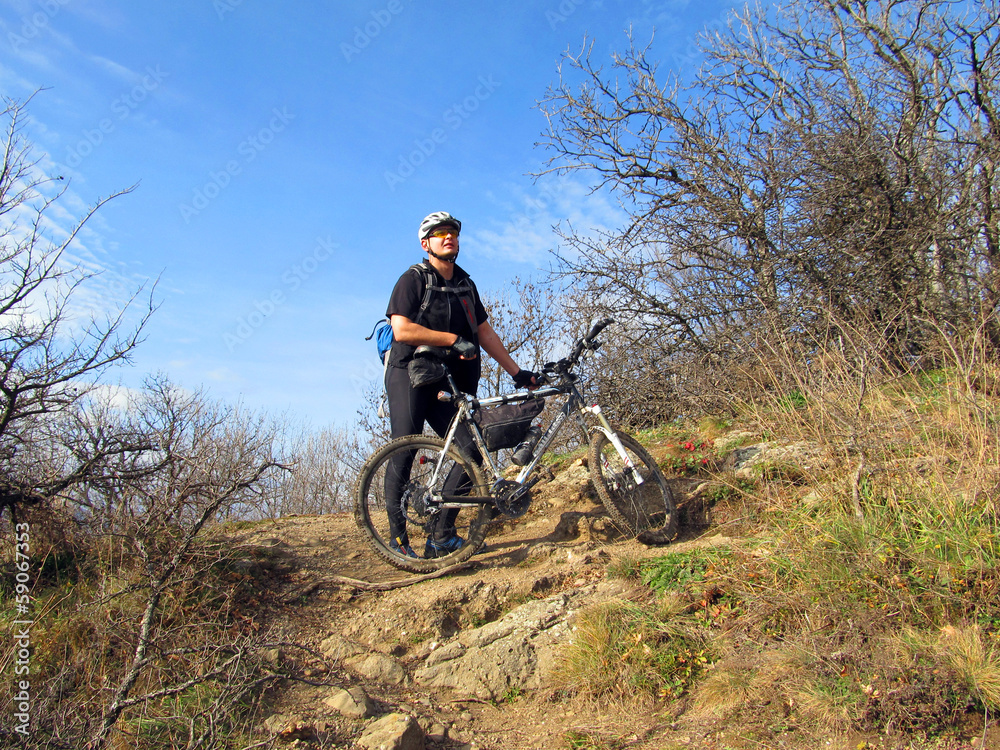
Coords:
451,315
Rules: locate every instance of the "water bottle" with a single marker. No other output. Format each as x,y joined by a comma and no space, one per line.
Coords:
524,452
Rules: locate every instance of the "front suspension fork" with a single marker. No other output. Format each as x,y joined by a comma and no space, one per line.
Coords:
612,436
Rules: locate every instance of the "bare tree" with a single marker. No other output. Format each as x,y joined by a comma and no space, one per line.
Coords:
49,356
528,318
157,644
324,467
194,461
830,168
153,644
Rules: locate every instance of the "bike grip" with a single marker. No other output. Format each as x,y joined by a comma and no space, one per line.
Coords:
599,326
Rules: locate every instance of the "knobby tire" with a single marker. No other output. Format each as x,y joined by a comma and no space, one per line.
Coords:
633,507
371,515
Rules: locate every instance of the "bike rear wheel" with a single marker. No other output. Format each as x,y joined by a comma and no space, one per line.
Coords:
371,511
633,506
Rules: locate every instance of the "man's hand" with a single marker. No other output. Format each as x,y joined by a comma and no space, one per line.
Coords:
524,378
464,349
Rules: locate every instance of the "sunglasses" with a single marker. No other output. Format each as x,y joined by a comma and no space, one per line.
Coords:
444,232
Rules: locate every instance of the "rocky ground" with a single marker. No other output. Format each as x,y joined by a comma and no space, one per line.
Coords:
468,660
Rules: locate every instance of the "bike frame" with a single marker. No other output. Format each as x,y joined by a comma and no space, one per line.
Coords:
575,406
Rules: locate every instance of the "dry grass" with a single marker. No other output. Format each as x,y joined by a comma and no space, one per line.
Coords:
873,606
972,655
631,650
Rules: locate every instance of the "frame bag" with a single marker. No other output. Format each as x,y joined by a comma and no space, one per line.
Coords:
507,425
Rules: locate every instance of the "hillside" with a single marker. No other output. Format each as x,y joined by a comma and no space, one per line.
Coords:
478,658
556,556
835,582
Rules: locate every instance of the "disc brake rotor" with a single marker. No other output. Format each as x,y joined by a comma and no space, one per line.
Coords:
414,503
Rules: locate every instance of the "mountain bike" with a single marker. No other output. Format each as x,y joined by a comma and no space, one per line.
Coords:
433,475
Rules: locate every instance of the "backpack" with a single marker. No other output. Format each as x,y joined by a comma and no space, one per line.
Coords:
382,333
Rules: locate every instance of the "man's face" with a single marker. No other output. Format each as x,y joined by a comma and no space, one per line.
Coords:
442,242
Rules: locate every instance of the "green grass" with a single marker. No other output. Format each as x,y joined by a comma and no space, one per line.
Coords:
580,740
874,607
681,570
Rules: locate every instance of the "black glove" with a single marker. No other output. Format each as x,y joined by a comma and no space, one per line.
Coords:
524,378
465,349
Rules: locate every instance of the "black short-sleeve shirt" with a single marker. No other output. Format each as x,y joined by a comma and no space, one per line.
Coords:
407,296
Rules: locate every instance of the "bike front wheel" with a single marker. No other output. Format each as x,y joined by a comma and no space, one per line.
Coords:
635,503
393,489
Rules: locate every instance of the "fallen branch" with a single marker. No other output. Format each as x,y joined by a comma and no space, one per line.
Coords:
390,585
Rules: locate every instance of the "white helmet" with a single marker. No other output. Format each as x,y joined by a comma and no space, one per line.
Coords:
434,220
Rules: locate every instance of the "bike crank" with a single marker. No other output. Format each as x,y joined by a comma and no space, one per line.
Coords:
512,498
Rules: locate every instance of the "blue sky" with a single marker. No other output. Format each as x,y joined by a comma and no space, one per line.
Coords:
285,154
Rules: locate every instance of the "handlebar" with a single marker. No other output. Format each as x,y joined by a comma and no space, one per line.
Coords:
562,367
598,327
587,343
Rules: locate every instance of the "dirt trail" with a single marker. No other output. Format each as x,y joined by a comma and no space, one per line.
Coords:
563,543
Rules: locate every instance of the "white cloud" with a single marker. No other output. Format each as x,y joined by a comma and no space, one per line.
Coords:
223,375
116,396
115,69
110,284
527,235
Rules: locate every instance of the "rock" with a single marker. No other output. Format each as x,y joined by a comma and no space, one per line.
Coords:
351,702
271,542
570,486
753,461
273,656
338,648
732,440
288,728
572,525
543,551
433,730
503,655
378,667
393,732
437,732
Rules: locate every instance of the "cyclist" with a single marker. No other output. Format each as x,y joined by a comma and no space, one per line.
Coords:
436,304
